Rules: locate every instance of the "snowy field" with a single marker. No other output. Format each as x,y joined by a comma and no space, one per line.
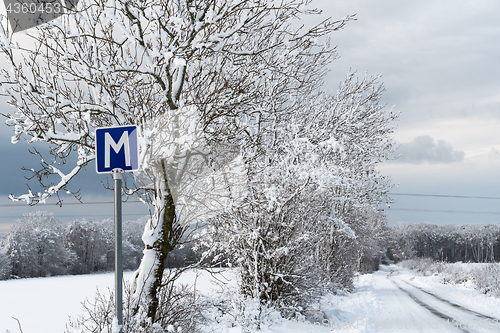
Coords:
388,300
44,304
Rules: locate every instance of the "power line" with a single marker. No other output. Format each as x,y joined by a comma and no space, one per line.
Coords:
391,209
445,196
73,203
392,193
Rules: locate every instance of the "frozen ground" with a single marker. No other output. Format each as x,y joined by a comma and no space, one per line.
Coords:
389,300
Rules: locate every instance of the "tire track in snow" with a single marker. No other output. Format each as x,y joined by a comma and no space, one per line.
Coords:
458,306
426,306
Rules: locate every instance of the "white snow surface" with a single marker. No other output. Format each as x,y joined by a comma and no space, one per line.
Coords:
42,305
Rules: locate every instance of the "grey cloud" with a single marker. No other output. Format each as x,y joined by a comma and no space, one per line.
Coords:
423,149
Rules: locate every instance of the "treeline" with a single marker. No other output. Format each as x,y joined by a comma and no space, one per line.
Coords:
38,245
449,243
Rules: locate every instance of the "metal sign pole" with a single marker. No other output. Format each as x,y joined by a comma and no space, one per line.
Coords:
118,176
116,152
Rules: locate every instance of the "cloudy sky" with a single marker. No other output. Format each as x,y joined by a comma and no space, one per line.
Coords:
439,62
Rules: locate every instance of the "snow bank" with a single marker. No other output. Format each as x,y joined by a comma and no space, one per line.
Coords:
466,284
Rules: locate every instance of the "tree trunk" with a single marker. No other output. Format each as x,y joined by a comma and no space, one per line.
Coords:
161,235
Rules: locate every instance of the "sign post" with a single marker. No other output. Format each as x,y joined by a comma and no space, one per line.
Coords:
116,152
117,176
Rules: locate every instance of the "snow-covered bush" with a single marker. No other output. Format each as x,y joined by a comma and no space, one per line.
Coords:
180,310
457,273
371,241
237,312
410,264
487,278
481,276
425,266
272,250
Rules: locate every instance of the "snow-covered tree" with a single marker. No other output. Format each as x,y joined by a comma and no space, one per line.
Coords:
5,264
371,241
362,127
35,246
197,77
92,244
313,187
450,243
40,245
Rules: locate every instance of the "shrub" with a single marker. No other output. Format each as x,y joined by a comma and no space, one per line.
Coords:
481,276
179,311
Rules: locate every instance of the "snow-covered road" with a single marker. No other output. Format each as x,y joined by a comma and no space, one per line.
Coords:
402,306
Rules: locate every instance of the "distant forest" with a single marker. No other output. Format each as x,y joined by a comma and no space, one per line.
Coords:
449,243
39,245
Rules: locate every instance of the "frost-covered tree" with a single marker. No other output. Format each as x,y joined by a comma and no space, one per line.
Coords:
312,195
449,243
39,245
35,246
92,244
197,77
5,264
362,128
358,120
371,240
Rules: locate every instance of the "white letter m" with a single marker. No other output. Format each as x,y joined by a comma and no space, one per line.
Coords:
109,142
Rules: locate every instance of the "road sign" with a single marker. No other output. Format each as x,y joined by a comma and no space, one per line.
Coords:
116,148
116,151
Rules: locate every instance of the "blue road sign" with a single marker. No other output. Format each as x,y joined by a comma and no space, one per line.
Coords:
116,148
